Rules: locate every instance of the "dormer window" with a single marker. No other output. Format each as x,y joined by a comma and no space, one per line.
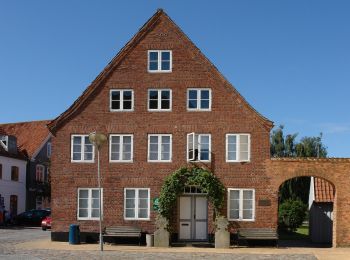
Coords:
159,61
4,141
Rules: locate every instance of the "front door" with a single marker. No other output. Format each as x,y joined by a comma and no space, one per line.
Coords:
193,218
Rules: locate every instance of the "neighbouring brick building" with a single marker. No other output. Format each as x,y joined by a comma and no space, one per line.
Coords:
163,105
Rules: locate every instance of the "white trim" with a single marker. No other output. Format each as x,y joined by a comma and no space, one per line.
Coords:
240,204
121,104
121,141
159,153
159,70
238,147
137,203
159,100
198,100
82,149
199,136
89,209
41,146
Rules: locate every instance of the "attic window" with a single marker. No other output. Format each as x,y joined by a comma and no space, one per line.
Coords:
4,141
159,61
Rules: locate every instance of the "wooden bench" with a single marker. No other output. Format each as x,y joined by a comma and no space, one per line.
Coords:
257,234
123,231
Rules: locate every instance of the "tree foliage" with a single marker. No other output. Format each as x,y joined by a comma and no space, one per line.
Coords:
291,214
287,146
174,185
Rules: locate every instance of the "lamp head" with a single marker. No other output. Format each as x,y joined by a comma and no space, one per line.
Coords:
97,139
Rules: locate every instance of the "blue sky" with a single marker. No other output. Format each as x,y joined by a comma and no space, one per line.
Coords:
289,59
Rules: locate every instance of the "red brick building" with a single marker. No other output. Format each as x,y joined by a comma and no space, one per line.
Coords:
158,100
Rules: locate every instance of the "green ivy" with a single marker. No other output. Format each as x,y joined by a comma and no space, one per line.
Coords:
174,185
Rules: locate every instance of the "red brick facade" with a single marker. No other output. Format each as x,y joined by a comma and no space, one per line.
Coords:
230,113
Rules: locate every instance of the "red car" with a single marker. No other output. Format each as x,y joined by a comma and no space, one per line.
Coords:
46,223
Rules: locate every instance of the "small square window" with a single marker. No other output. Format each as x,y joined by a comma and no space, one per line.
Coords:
159,61
122,100
199,99
159,100
121,148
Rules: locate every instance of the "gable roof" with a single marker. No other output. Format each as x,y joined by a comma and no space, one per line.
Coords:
30,135
324,191
55,124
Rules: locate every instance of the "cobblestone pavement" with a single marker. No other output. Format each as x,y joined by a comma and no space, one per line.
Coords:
10,240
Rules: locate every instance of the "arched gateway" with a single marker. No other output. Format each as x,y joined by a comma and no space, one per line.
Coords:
334,170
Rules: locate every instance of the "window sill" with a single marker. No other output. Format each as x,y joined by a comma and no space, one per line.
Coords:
159,161
121,110
112,161
198,110
242,220
82,161
159,71
138,219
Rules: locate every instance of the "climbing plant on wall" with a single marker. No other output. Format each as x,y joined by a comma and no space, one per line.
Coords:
174,185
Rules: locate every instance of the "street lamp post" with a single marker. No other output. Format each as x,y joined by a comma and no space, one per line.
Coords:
98,140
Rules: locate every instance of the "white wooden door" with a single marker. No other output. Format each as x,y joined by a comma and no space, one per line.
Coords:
185,218
193,219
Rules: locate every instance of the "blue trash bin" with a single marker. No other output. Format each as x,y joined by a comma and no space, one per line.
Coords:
74,234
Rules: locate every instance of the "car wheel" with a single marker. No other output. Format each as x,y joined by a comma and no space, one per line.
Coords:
43,228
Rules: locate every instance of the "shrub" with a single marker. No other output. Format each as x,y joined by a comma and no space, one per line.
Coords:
291,214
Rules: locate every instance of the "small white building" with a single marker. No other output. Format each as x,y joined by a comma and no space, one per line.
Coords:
321,198
12,175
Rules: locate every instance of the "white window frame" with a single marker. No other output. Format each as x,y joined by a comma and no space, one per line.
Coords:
89,204
160,148
137,203
82,160
198,99
240,204
199,148
238,147
48,150
121,136
159,70
121,109
159,109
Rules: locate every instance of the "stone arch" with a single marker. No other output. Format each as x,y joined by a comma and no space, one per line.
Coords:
336,171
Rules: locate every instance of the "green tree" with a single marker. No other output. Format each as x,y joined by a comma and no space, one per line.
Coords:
287,146
291,214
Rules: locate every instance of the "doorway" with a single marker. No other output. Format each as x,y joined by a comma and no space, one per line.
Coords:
193,218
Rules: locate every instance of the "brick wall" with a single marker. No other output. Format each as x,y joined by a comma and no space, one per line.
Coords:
230,114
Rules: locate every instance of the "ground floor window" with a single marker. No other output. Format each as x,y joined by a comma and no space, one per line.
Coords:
89,203
241,204
137,203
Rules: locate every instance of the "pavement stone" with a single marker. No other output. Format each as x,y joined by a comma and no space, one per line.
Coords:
11,238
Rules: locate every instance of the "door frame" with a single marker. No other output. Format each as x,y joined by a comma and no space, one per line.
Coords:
193,221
